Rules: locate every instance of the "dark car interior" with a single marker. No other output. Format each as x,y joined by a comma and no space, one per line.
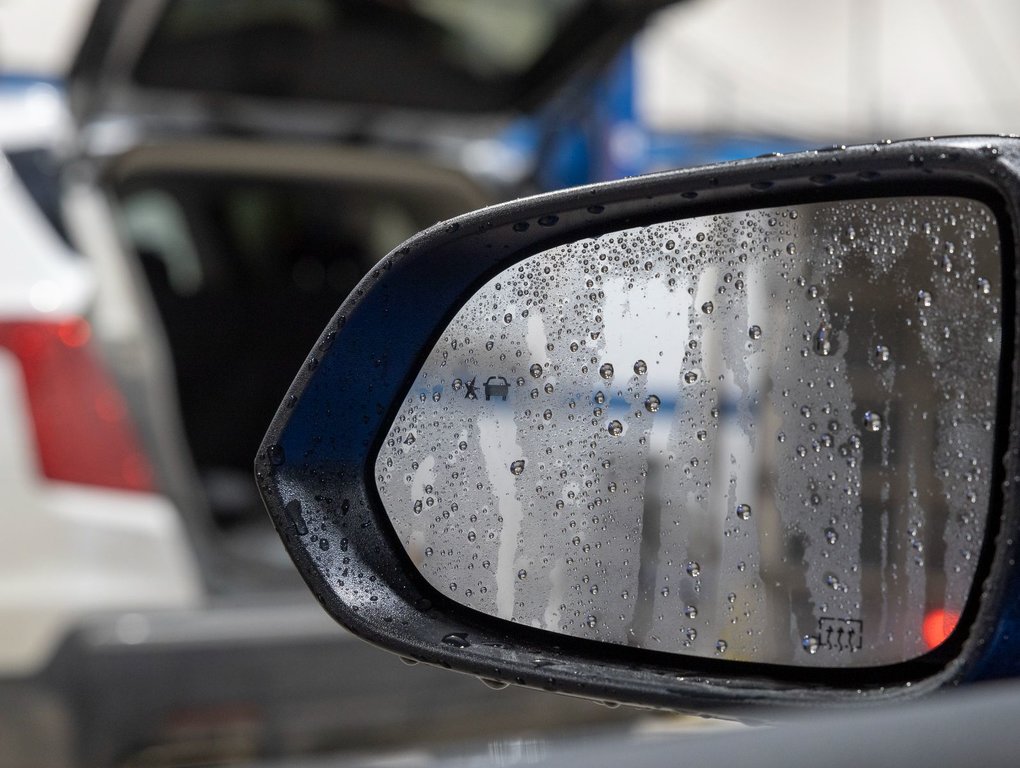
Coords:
245,271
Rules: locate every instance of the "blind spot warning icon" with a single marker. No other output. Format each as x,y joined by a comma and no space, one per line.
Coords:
496,386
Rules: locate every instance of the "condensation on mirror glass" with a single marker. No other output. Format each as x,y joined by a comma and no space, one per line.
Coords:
762,436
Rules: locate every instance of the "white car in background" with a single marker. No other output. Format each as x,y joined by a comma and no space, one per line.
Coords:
85,527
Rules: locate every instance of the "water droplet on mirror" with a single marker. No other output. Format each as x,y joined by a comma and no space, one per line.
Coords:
591,621
744,511
508,318
693,569
708,307
640,367
457,384
831,536
691,612
882,353
984,286
754,332
690,377
517,467
872,421
522,574
823,340
720,646
547,415
652,403
276,455
535,370
606,371
924,298
457,640
810,644
615,428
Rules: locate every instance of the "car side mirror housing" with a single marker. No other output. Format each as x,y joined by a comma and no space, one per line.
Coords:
701,439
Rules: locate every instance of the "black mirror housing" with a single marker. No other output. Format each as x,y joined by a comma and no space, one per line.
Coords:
315,468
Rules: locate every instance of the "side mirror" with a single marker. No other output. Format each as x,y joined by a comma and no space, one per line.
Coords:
700,439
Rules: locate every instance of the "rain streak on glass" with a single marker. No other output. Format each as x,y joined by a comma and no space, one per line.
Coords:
764,435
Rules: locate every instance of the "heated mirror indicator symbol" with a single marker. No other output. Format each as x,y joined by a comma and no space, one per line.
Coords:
840,634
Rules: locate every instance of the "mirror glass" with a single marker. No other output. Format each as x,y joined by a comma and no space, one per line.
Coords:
763,436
